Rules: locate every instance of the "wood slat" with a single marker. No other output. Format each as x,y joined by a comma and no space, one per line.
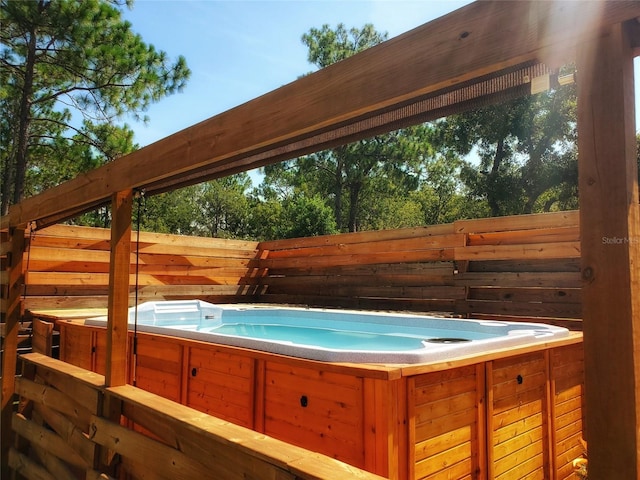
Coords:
394,270
54,399
541,294
436,292
47,440
86,236
53,464
220,443
518,279
518,222
525,309
42,336
522,251
374,246
74,437
23,465
82,384
356,259
520,237
144,279
357,237
526,265
158,459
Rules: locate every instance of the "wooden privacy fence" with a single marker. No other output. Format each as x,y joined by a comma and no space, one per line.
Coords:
63,432
517,267
68,267
510,267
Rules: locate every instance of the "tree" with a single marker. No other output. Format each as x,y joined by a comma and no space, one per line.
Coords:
346,169
170,212
307,217
223,207
280,210
526,150
352,178
327,46
69,71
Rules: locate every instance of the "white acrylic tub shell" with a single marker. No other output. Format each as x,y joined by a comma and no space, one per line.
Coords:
333,335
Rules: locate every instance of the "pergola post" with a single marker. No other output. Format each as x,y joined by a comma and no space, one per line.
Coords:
610,241
118,303
10,343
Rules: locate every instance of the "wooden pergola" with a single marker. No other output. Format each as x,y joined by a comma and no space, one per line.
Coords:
482,53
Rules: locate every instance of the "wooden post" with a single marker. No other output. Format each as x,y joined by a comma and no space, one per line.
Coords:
610,241
10,344
118,303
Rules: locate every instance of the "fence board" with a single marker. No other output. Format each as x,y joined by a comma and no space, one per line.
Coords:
520,251
518,222
513,237
46,439
358,237
26,467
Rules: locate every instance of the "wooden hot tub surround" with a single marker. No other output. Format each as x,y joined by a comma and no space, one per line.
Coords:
512,413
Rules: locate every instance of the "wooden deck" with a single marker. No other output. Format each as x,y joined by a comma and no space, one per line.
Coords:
63,420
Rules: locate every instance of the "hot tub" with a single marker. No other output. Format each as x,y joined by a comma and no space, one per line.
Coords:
333,335
481,399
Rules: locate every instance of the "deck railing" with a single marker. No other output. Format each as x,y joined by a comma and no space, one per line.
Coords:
70,426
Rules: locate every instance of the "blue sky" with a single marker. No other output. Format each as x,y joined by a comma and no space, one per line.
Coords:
238,50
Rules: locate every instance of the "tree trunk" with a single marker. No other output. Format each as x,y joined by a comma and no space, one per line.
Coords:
337,202
492,197
24,121
354,195
8,180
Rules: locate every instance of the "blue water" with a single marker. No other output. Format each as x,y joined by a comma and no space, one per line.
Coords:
328,338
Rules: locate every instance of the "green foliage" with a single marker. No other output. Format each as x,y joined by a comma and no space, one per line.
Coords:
218,208
288,212
170,212
307,217
526,150
387,181
223,207
342,174
327,46
517,157
266,219
69,71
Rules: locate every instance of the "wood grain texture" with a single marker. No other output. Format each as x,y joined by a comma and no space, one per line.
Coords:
12,309
118,299
610,238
